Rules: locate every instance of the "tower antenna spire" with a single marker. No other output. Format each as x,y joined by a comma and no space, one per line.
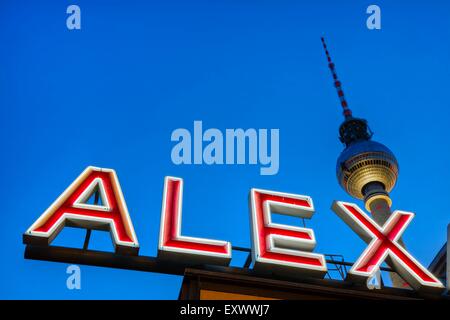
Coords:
347,112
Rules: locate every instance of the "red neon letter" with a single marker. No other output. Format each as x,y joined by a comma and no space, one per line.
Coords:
72,209
279,247
383,243
173,245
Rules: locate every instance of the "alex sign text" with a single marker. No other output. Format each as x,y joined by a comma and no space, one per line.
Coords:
278,248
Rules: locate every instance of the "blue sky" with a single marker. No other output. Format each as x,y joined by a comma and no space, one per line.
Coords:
111,94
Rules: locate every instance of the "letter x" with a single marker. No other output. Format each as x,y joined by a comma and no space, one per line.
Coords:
382,244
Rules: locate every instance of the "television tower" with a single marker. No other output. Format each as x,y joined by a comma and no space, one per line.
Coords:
365,169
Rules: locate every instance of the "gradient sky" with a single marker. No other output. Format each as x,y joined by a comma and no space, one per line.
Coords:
111,94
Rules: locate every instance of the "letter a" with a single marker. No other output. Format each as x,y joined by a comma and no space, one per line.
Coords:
71,209
74,20
374,20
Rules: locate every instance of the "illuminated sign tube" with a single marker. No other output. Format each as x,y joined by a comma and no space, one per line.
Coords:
383,245
283,248
276,248
71,209
172,245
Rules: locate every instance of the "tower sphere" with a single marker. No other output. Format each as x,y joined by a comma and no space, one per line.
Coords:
363,162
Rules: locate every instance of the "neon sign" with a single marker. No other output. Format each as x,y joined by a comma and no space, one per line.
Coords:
277,248
72,210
